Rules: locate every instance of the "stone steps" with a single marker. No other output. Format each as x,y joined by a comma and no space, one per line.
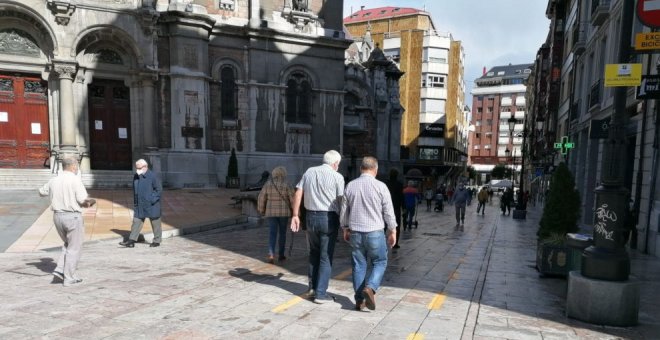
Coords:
29,179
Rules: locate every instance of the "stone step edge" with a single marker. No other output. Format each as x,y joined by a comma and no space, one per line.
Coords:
181,231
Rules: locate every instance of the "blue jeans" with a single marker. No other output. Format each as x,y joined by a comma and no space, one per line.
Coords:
277,226
369,245
322,228
410,214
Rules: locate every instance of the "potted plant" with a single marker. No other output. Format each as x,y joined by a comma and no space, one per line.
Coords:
232,180
560,217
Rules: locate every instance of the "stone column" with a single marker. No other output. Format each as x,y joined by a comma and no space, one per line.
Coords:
148,114
68,126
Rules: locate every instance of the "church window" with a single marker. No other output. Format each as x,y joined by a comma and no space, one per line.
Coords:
228,93
298,99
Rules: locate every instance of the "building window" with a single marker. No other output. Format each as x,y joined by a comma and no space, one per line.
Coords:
476,147
487,146
434,81
480,110
477,135
477,123
489,122
489,109
227,5
506,109
228,92
480,98
298,99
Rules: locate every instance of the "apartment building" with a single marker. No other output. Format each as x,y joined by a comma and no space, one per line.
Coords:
432,90
498,96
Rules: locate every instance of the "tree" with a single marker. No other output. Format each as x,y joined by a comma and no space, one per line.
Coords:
562,206
501,171
472,173
232,170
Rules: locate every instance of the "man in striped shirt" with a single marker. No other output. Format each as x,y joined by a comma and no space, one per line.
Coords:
366,208
323,188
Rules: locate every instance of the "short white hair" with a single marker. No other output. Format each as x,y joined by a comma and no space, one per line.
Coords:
331,157
141,162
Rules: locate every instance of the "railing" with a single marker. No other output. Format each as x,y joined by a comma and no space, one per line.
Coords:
600,11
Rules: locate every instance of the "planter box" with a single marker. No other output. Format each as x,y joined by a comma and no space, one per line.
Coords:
552,259
233,182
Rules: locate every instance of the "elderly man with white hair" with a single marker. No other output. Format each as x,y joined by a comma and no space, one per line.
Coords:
146,204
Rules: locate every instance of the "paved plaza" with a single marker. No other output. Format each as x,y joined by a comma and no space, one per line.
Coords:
443,283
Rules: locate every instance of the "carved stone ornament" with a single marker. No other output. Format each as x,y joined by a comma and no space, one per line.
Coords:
15,41
65,70
298,13
148,18
62,10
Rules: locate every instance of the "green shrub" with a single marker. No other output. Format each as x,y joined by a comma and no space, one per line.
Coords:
562,206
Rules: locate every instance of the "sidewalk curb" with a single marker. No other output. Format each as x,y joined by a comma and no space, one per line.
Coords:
185,230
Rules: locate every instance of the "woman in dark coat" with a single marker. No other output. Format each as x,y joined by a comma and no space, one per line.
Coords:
146,204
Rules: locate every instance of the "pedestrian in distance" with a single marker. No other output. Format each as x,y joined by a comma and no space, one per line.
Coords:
396,193
366,207
322,188
460,201
428,196
274,204
67,198
506,201
410,196
482,198
147,191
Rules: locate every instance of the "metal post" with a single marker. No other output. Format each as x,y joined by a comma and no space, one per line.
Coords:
608,258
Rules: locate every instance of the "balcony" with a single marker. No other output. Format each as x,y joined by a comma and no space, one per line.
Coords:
505,115
520,101
579,38
506,101
600,11
519,115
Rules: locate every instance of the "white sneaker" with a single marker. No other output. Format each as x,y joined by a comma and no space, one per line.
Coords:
58,275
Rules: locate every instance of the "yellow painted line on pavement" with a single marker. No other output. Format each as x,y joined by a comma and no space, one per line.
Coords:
287,305
296,300
437,301
415,336
343,274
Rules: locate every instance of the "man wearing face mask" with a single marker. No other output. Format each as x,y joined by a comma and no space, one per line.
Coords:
146,204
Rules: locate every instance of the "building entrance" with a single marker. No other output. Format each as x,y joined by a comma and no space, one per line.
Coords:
109,125
24,130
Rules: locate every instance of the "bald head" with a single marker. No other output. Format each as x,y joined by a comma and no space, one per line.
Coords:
369,165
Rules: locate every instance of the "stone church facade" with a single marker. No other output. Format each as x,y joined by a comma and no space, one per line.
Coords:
179,83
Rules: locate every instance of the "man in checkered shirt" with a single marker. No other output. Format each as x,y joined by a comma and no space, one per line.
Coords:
366,208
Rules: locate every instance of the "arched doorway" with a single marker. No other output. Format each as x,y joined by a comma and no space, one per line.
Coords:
110,125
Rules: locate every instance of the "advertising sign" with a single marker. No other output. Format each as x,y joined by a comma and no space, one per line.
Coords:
432,130
623,75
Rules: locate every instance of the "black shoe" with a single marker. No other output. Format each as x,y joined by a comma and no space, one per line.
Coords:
154,244
369,299
127,243
396,246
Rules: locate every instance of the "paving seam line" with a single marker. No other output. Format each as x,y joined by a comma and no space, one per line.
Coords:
472,316
230,224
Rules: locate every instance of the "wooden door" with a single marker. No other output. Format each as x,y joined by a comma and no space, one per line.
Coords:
110,126
24,130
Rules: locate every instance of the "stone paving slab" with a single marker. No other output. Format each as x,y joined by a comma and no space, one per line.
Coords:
441,284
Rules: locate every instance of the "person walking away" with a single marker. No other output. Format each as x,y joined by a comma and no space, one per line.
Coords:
428,196
396,193
507,200
366,207
147,191
274,204
460,201
67,198
322,188
482,198
410,194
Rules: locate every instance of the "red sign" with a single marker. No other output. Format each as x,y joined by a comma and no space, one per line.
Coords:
648,12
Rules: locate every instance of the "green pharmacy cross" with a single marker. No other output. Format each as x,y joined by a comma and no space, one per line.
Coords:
564,145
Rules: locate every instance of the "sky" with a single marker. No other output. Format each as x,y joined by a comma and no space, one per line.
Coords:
493,32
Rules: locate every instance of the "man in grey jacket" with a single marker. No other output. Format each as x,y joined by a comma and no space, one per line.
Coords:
461,197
